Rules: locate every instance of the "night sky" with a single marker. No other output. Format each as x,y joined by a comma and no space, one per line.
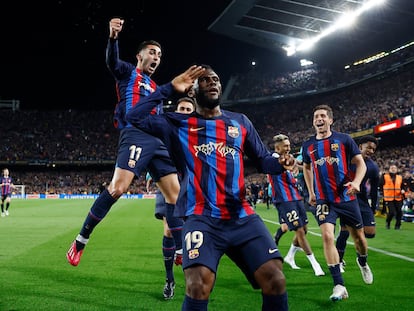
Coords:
53,53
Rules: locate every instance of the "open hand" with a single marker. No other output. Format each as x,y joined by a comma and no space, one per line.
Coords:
183,82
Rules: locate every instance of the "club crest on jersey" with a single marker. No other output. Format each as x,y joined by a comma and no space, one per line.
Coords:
131,163
233,131
193,254
334,147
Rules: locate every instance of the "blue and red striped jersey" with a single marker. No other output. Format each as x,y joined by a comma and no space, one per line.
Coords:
370,183
131,85
212,152
284,187
6,185
330,159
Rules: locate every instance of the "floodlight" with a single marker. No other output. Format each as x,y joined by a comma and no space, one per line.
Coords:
347,19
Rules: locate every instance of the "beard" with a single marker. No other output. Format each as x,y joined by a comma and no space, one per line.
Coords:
207,102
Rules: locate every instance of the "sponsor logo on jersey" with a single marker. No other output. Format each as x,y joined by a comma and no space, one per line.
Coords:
195,129
219,148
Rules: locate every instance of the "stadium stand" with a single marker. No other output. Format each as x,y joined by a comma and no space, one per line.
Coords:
73,151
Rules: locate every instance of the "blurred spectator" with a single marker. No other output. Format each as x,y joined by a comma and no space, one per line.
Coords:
391,188
30,139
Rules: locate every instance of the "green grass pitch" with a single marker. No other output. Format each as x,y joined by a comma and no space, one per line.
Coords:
122,266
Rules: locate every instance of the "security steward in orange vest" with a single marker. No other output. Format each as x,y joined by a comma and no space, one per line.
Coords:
391,188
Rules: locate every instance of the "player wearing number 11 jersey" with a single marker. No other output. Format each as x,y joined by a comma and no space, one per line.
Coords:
137,150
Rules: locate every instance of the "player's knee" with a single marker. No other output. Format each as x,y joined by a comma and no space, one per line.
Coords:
168,234
270,277
117,190
197,290
276,284
170,188
369,235
199,282
300,233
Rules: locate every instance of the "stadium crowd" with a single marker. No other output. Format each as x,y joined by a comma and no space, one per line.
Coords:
55,147
43,136
311,78
360,107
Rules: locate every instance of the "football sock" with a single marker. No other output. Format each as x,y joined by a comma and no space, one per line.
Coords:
168,251
191,304
7,206
336,274
341,243
278,235
80,242
271,302
312,259
292,250
98,211
2,208
175,224
362,259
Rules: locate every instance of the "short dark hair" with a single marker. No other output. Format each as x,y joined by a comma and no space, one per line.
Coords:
367,139
207,67
186,99
144,44
324,107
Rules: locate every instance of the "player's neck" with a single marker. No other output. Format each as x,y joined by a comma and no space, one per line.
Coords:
323,134
209,113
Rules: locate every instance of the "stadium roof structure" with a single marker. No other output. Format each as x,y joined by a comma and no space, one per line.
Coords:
276,24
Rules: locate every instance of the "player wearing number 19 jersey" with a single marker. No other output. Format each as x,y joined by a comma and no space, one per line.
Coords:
219,219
